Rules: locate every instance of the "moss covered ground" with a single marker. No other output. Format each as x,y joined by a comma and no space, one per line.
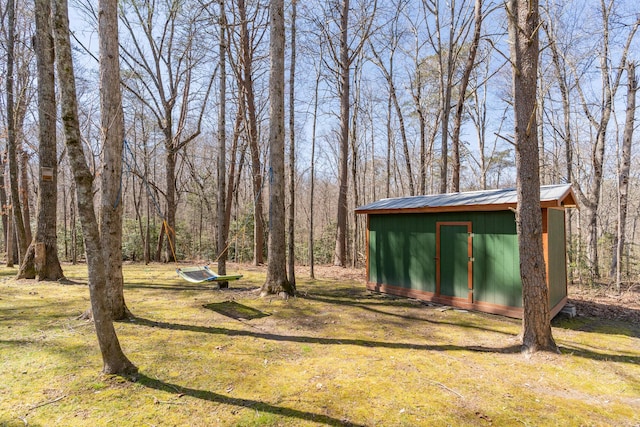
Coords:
333,355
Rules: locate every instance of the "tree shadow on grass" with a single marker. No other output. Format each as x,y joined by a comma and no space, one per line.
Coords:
244,403
236,310
598,325
320,340
9,272
186,287
594,355
510,349
373,307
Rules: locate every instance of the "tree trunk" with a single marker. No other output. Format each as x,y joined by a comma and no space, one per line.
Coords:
625,166
12,156
523,35
170,215
24,187
72,221
561,75
388,75
256,167
223,225
611,76
234,175
343,161
422,122
462,96
354,163
292,156
161,235
114,360
276,282
10,238
41,260
112,132
3,202
312,176
446,112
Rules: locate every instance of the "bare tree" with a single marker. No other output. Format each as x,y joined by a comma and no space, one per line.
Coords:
343,55
41,260
223,224
451,21
623,176
112,137
246,83
562,77
312,170
391,42
276,281
165,51
114,360
291,259
599,119
4,208
344,64
462,95
523,22
12,156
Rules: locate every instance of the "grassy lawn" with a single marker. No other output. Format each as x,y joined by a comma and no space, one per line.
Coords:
334,355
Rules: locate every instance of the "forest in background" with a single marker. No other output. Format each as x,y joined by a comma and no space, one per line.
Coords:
384,99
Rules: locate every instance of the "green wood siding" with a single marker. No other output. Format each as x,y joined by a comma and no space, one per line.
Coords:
496,270
557,256
402,250
454,260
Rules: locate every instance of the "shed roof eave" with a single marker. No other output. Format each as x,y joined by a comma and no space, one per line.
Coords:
552,196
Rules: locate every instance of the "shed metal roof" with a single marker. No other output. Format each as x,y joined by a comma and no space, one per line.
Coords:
560,195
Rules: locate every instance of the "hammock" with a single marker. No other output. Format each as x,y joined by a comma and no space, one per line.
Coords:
204,274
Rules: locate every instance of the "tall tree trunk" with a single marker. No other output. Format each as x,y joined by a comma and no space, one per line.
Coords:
561,75
12,156
223,226
276,282
340,254
462,96
10,238
446,76
390,143
312,171
112,132
114,360
170,196
291,259
3,202
388,75
72,221
422,123
256,167
625,166
24,188
611,76
354,163
41,260
523,35
234,175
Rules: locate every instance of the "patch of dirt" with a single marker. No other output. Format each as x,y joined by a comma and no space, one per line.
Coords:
320,271
605,302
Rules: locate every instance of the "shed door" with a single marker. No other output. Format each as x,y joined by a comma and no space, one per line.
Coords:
454,262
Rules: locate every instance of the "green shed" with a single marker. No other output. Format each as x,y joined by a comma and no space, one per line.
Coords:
461,249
